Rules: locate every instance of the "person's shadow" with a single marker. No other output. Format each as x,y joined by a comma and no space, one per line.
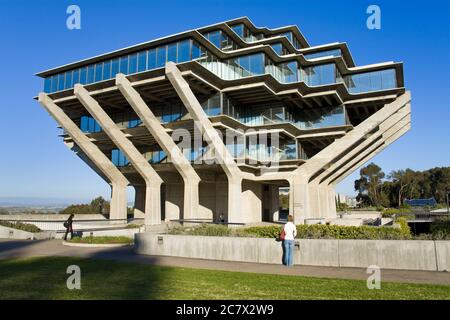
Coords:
277,239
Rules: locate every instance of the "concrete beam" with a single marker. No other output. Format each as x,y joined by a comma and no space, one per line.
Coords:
395,133
391,121
386,143
342,145
307,196
118,206
190,177
201,121
152,180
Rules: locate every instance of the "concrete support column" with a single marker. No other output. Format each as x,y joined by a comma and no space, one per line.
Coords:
152,180
222,155
235,201
190,178
118,206
331,203
323,201
119,203
275,203
299,200
315,204
139,202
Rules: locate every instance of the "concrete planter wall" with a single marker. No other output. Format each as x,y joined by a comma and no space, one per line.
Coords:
10,233
388,254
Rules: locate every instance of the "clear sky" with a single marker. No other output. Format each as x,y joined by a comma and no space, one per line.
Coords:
33,36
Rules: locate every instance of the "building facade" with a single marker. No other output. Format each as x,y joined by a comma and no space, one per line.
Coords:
215,121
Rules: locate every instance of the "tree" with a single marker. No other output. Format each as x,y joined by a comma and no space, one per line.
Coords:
403,179
401,184
369,185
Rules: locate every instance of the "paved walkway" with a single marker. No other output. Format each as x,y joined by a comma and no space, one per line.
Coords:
26,248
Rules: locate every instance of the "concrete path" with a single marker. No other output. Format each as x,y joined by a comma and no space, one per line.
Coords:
26,248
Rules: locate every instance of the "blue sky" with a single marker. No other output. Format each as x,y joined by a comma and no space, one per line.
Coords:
33,36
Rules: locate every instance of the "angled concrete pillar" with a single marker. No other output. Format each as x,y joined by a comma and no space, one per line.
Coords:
360,161
118,206
372,150
326,207
383,127
339,148
152,180
190,177
224,158
342,145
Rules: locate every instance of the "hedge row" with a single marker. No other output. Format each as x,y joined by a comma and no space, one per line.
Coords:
304,232
20,226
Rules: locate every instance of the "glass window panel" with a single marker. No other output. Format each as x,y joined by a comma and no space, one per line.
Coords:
83,75
184,51
196,51
69,83
244,64
48,85
98,72
124,65
115,67
172,52
151,59
107,70
388,78
84,124
278,48
55,83
214,105
76,76
133,64
239,29
90,74
214,37
161,57
61,78
142,61
257,64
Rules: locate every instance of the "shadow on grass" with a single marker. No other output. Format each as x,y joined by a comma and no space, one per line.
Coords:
101,278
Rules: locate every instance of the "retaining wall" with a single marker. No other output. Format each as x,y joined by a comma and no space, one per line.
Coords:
387,254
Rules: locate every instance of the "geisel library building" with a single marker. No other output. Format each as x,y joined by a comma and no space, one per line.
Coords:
158,116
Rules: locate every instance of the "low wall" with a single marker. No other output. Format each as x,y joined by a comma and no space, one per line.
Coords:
10,233
388,254
55,216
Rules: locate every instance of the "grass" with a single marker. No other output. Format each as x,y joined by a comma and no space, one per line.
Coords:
45,278
102,240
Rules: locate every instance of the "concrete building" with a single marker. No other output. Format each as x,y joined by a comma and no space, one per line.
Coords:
158,116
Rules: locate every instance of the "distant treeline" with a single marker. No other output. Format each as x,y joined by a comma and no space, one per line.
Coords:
375,188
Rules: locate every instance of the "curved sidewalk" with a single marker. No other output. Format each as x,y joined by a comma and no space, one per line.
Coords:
10,249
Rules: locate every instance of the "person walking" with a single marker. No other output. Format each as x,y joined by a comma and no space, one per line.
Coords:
68,226
290,232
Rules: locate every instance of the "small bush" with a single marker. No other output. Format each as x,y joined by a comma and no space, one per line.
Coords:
203,230
21,226
102,240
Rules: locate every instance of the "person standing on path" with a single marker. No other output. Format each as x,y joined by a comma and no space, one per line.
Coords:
68,226
290,232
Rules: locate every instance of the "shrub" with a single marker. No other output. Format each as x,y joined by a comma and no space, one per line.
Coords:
389,212
440,229
21,226
303,232
102,240
203,230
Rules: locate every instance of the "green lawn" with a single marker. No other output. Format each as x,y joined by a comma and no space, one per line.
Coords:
45,278
102,240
